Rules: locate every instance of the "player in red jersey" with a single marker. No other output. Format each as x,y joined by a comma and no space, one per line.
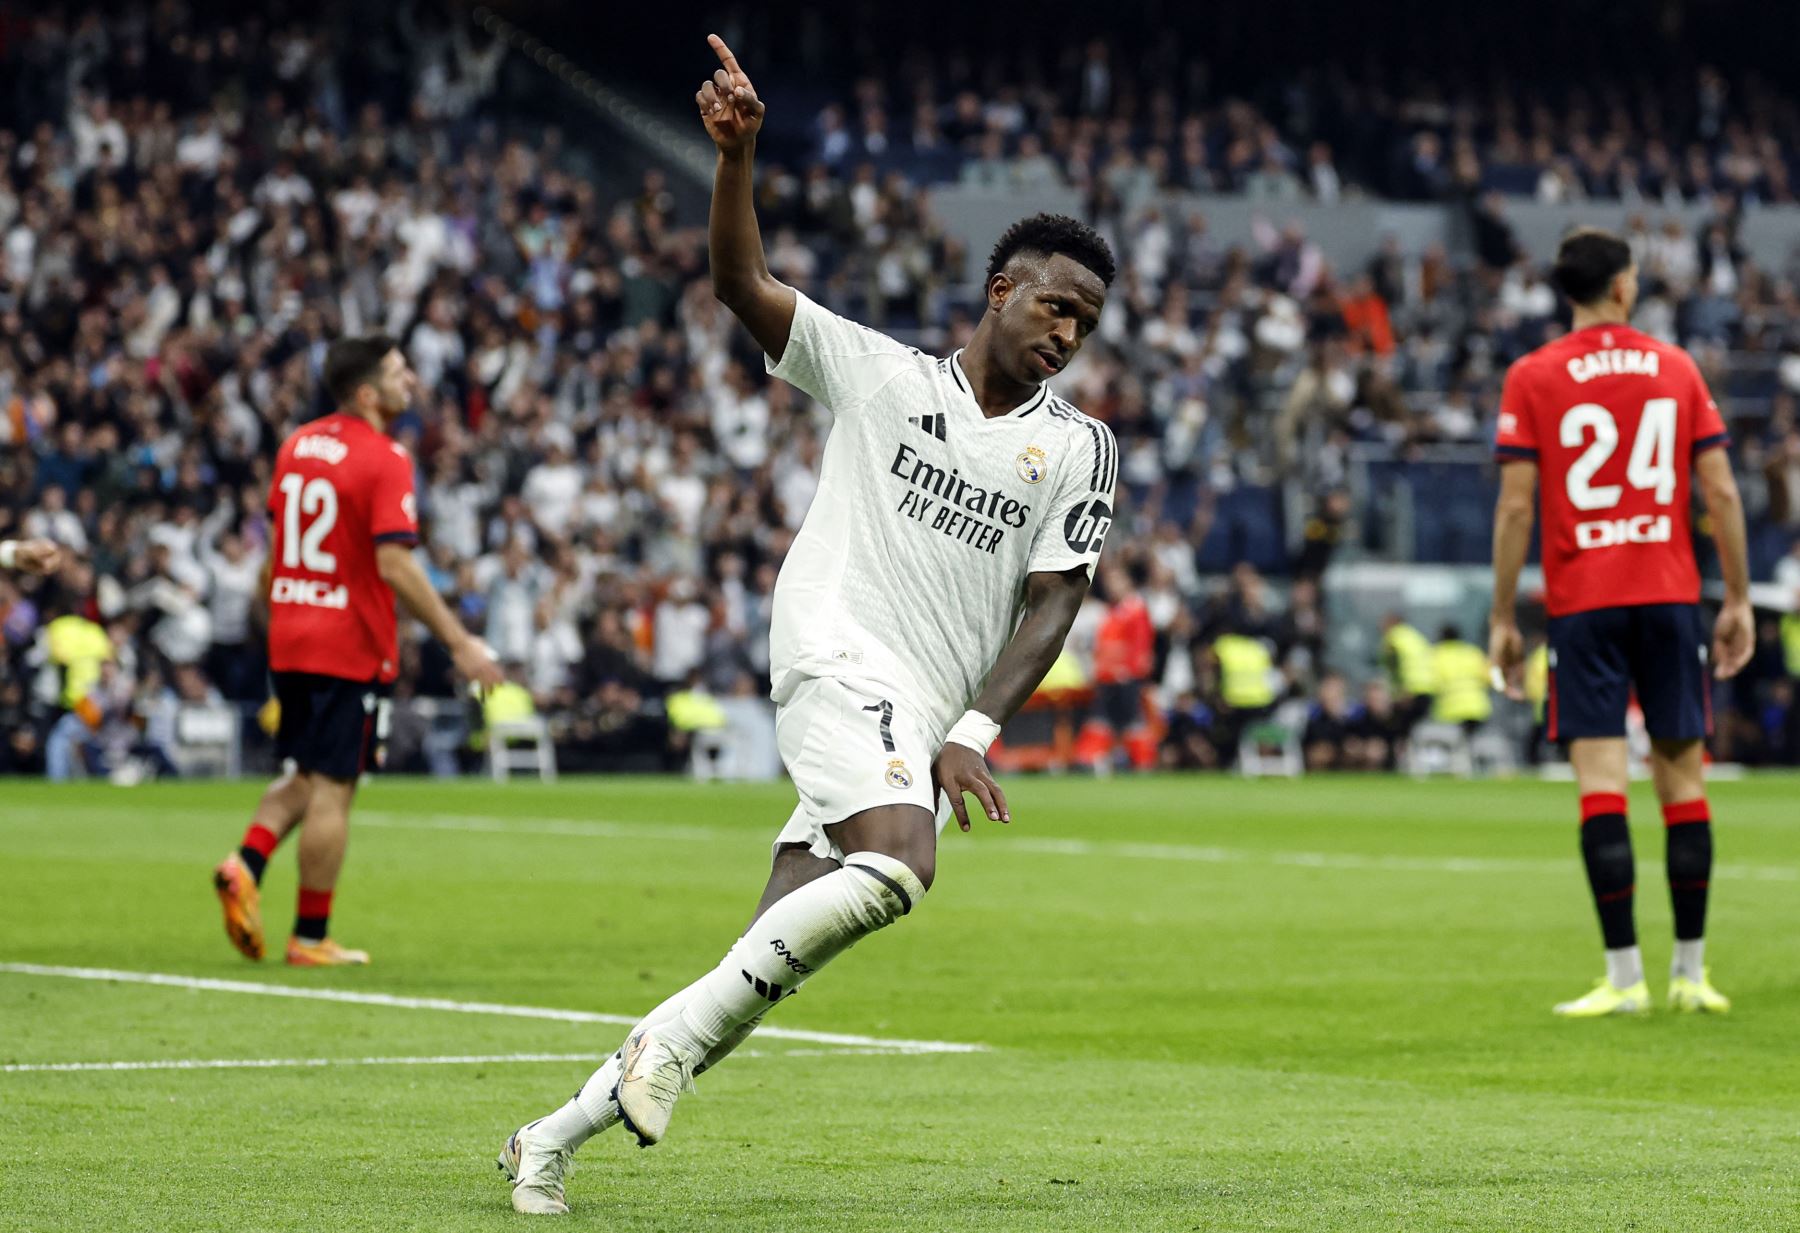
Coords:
345,526
1615,421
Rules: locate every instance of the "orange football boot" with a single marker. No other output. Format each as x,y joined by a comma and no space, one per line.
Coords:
242,904
323,954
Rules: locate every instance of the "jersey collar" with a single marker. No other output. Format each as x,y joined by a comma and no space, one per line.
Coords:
355,422
1597,327
1017,413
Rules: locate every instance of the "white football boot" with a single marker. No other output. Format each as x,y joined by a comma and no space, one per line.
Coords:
651,1077
536,1171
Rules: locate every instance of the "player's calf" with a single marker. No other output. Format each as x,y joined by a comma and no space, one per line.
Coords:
780,951
1688,857
1612,877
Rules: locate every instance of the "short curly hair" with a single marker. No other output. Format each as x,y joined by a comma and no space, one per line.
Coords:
1050,234
1587,261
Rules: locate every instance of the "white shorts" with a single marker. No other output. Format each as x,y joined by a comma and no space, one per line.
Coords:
849,749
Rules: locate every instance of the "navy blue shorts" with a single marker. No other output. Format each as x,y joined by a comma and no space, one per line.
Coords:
1597,658
331,726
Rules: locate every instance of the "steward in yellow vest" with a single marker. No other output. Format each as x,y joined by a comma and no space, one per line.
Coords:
1245,671
1461,669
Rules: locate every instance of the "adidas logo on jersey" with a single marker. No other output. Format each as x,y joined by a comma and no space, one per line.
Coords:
930,425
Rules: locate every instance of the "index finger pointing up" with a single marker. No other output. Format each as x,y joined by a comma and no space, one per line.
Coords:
725,56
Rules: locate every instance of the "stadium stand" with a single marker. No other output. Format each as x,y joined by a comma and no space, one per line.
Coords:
190,209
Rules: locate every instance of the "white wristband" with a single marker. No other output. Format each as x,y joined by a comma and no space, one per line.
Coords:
974,730
9,553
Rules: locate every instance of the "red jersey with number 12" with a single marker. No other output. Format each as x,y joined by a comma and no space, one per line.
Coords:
341,487
1614,419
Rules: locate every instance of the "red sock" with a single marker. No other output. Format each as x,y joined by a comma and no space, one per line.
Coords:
256,849
313,919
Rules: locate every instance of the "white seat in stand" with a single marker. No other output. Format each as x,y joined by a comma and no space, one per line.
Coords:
521,745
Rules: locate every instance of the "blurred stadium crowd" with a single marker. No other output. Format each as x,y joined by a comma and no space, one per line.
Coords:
1100,113
190,211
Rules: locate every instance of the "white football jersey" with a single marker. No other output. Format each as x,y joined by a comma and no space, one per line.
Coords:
910,569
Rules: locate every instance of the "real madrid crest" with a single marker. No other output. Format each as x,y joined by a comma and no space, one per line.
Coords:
1032,465
898,776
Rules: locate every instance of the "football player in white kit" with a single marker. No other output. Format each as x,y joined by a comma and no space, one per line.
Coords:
960,511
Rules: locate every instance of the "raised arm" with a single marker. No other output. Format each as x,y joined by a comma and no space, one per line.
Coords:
1734,635
1051,602
1513,516
733,115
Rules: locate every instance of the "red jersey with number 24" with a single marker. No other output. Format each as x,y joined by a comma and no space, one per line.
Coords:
1614,419
341,488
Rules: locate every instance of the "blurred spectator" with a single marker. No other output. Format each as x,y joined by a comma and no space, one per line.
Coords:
1326,739
1124,651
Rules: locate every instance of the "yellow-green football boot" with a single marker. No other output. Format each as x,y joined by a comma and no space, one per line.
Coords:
1604,999
1691,996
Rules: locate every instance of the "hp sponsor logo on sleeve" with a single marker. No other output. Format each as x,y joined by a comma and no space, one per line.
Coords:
1086,525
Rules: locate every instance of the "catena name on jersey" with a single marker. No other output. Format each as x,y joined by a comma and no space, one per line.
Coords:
962,510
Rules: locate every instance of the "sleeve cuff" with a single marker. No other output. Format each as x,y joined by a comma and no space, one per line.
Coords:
780,369
1063,565
1713,442
1515,453
409,538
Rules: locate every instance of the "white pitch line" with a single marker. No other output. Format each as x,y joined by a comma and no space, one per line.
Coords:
1359,861
398,1002
277,1063
472,1059
541,826
1065,847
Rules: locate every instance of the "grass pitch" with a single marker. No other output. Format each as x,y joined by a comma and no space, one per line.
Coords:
1207,1004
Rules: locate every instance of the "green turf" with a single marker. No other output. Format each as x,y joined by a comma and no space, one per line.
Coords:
1211,1004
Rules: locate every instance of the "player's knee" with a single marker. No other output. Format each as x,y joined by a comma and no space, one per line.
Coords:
291,792
921,860
905,834
893,887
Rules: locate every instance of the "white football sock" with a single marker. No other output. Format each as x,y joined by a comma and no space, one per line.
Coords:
724,1049
1624,967
798,935
593,1109
1689,960
590,1111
